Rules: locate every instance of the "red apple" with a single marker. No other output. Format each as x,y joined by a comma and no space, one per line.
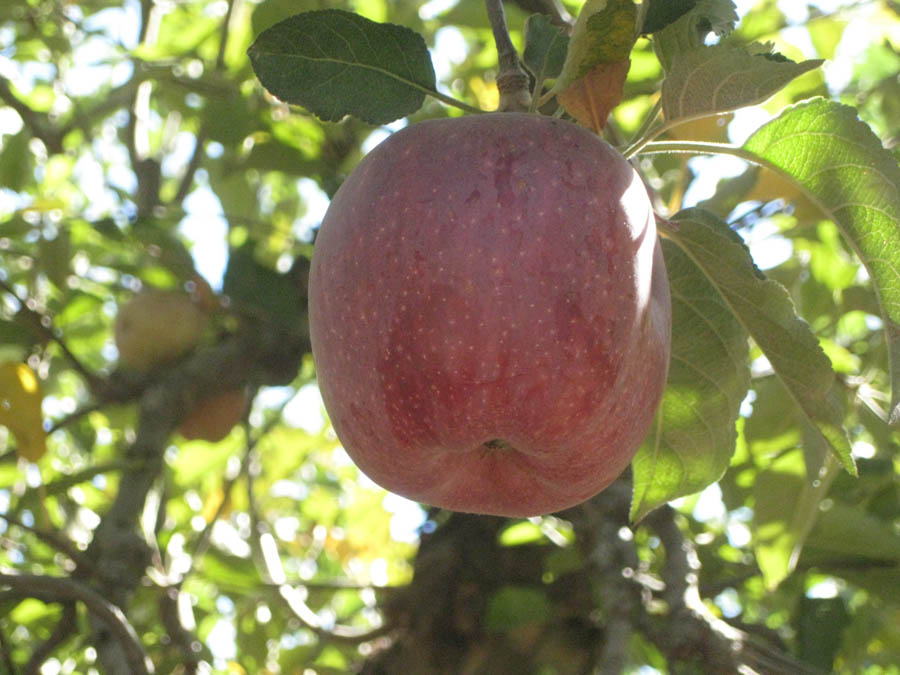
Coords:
490,314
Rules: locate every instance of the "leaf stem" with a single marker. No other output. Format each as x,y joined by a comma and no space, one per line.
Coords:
449,100
512,80
644,131
644,136
649,147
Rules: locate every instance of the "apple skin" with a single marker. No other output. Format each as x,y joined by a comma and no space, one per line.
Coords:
212,419
490,315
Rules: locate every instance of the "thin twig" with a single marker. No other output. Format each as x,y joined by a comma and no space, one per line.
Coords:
223,37
187,179
42,324
6,654
646,125
180,636
54,540
73,417
64,628
293,599
66,481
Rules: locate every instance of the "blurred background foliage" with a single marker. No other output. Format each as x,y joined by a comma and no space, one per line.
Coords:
138,149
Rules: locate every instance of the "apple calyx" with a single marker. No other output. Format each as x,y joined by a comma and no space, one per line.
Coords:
498,444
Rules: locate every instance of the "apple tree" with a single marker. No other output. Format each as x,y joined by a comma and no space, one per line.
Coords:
173,494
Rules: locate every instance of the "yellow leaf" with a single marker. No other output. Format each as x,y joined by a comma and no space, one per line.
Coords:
590,99
604,34
771,185
20,409
712,129
213,504
592,80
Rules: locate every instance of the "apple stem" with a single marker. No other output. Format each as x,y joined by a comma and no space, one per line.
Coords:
512,80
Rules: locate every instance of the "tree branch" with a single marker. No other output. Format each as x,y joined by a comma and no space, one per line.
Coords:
691,631
294,601
38,123
294,598
613,561
243,359
192,650
54,540
55,589
187,179
223,37
64,628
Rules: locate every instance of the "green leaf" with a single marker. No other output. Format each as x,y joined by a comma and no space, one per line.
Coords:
788,494
694,435
690,30
198,460
850,531
661,13
56,257
603,33
15,334
723,77
841,166
826,34
774,425
516,606
521,532
259,290
229,571
765,309
820,624
545,47
336,63
18,160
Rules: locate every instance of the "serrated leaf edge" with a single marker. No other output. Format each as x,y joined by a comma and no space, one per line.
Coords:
846,459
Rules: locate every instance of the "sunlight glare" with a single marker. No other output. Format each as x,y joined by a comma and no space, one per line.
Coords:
434,8
304,411
827,588
407,518
206,227
710,505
